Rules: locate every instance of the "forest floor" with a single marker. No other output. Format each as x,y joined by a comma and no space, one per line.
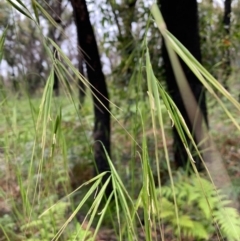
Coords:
223,131
228,145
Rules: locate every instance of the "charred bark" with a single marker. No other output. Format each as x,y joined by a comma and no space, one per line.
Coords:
181,18
226,58
56,11
87,43
81,85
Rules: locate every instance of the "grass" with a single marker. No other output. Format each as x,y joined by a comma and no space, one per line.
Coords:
32,183
46,154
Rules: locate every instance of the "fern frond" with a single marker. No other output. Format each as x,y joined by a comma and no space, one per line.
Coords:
184,221
229,222
198,232
167,209
200,204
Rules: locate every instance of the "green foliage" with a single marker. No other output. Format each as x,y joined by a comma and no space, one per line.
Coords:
194,208
211,32
46,226
80,234
200,208
7,226
2,39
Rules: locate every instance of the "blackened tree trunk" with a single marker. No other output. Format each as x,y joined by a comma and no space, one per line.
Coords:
56,11
81,85
226,24
88,44
227,16
181,18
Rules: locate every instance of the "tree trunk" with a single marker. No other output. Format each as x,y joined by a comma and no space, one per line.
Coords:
226,24
56,11
88,44
181,18
81,85
227,16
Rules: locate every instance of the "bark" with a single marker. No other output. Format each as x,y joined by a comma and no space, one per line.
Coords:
227,23
181,18
227,16
56,84
56,11
81,85
88,45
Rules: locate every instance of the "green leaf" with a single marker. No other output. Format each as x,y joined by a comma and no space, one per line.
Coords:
2,40
34,6
229,222
80,234
24,11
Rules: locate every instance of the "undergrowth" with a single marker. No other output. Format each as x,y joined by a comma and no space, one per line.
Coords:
202,210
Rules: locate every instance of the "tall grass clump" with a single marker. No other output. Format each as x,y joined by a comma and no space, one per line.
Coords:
46,140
